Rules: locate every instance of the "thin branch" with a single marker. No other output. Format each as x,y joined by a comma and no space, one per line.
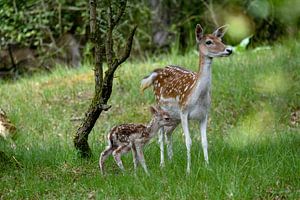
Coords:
109,39
121,12
15,6
49,32
11,57
59,18
73,8
128,46
211,10
93,18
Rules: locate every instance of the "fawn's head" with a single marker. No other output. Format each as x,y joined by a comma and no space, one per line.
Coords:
211,45
160,116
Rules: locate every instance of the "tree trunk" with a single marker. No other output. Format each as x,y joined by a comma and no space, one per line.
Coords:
103,86
91,116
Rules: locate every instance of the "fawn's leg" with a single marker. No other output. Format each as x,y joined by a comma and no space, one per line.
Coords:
141,158
103,156
135,156
168,131
118,153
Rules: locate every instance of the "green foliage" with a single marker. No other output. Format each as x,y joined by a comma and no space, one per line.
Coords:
14,26
35,23
253,147
266,20
32,23
136,13
242,46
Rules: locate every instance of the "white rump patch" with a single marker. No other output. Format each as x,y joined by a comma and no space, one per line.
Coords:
146,82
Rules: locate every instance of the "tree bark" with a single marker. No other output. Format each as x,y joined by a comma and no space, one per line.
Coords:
103,86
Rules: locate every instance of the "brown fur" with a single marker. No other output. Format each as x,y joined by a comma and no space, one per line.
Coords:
176,81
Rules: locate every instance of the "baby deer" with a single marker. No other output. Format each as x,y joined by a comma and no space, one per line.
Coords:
124,137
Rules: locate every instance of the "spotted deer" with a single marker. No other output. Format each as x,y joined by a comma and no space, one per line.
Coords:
126,137
184,94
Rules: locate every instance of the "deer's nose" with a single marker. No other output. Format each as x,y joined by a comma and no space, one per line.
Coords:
228,50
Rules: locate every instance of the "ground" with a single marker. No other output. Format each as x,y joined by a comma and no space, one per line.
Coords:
253,138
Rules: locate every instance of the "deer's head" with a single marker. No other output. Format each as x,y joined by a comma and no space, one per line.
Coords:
161,117
211,45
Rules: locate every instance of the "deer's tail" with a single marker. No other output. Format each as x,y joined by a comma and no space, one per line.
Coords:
148,81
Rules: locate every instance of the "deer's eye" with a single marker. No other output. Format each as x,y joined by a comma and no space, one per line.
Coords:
208,42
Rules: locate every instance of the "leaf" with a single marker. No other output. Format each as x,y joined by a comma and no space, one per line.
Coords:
242,45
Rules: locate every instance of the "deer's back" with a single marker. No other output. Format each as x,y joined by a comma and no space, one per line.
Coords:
125,133
172,87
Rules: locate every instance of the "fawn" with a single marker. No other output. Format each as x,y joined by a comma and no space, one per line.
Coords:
124,137
184,94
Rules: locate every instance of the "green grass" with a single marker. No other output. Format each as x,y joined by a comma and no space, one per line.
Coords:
254,150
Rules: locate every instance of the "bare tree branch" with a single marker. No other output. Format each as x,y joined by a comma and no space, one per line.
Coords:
93,14
128,46
122,7
109,39
12,57
211,10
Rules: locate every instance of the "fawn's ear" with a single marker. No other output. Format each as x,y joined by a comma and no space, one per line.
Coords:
220,32
199,33
153,110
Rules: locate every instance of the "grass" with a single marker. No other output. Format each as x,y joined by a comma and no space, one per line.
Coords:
254,150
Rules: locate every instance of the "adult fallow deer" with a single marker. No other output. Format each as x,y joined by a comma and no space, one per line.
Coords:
184,94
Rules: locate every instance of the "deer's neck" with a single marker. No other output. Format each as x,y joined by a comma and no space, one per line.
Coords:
203,82
152,128
204,75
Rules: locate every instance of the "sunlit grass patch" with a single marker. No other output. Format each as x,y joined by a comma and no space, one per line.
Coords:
253,128
274,83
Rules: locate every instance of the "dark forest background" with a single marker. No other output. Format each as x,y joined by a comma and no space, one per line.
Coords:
39,34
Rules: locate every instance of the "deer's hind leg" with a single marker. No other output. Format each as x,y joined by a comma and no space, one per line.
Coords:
117,153
103,156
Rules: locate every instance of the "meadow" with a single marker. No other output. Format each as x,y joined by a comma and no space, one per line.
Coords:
254,146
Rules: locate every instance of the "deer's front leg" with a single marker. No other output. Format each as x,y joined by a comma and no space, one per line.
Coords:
161,144
203,125
188,141
135,156
141,158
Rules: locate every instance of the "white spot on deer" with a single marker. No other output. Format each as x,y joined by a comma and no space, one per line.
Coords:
186,88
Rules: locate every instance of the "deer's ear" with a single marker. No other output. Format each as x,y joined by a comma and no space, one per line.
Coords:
199,33
220,32
153,110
